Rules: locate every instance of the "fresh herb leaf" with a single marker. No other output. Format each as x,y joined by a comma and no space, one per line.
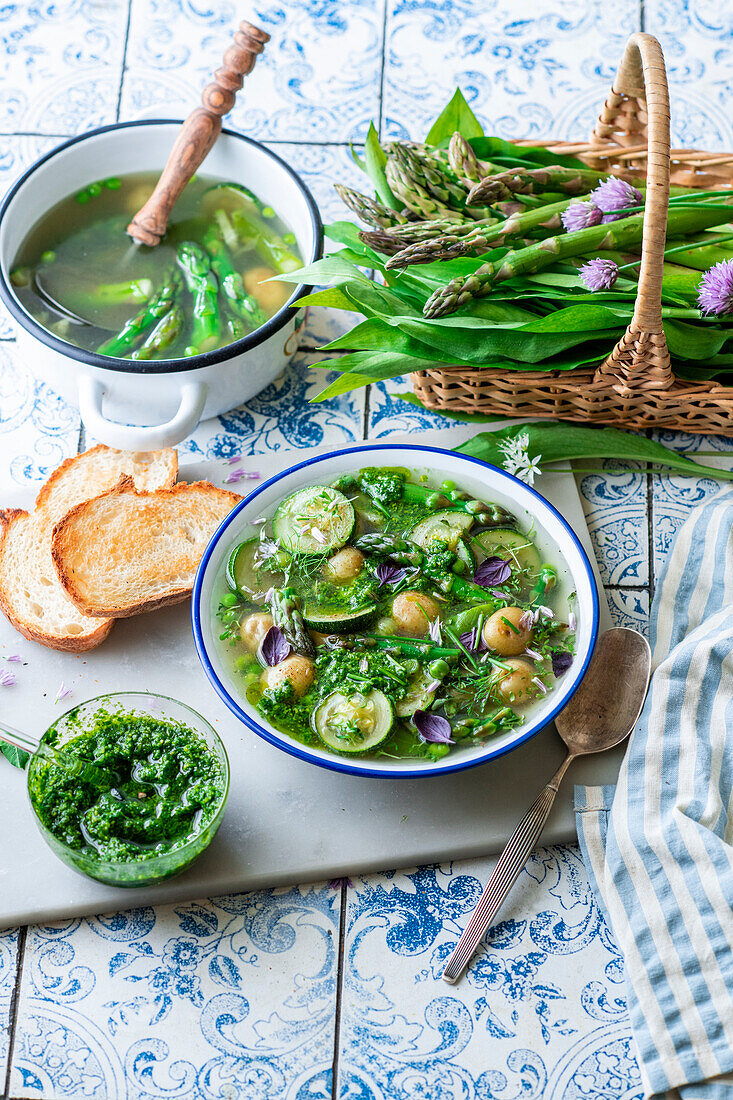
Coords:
17,757
456,115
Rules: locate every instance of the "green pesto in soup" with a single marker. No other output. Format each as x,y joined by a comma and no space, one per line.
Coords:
160,787
204,286
380,615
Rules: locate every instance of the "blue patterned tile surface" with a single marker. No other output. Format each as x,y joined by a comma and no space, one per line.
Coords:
541,70
236,998
529,1019
60,65
318,79
8,967
231,997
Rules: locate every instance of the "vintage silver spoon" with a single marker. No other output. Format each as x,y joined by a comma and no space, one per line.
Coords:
601,714
35,746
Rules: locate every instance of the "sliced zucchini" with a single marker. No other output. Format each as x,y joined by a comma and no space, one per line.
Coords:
445,526
243,573
512,545
417,697
465,554
315,520
338,620
353,724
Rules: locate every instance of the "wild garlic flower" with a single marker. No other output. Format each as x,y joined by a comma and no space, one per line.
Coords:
517,460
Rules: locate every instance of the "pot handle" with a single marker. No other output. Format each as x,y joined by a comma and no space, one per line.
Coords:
127,437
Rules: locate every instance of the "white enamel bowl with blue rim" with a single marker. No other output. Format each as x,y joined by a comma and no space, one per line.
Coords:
146,404
555,539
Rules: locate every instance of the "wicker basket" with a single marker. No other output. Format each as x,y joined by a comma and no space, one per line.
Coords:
634,387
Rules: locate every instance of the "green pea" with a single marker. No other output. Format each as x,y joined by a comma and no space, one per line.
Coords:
94,189
411,666
436,752
48,257
229,599
458,566
268,212
21,276
385,626
113,183
191,350
82,197
438,668
241,664
447,486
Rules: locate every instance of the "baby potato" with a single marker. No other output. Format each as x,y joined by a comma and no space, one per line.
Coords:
413,612
253,629
344,565
298,670
507,640
269,295
517,687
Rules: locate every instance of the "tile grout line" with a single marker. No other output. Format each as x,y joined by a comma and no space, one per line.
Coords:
13,1013
124,60
382,68
339,990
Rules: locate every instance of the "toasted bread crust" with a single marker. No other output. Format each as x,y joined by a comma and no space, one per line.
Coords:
25,550
68,538
69,644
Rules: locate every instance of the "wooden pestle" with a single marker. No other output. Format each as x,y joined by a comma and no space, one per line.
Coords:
198,133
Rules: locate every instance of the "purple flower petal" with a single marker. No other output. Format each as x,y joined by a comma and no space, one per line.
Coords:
433,728
435,632
561,662
615,195
389,572
7,679
493,571
468,639
715,293
63,693
539,685
599,274
571,621
241,475
580,215
13,657
274,647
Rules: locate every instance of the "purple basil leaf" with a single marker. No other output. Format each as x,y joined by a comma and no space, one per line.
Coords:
492,571
561,662
432,727
389,572
274,647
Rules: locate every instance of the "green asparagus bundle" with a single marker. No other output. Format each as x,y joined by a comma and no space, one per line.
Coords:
545,278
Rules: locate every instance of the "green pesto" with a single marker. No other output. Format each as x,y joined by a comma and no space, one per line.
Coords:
164,787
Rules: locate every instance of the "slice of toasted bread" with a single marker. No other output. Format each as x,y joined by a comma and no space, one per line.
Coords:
125,551
31,595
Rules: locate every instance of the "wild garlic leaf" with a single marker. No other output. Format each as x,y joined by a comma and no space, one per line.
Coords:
17,757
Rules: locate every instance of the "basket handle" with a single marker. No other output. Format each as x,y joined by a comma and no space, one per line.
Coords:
640,360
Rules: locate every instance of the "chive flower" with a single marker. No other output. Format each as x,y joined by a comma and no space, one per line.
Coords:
715,293
613,196
599,274
581,215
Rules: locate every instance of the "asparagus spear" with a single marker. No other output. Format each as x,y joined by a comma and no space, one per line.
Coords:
162,336
239,302
415,196
623,234
125,340
286,614
371,211
520,181
465,243
395,239
400,550
249,226
135,290
463,160
201,281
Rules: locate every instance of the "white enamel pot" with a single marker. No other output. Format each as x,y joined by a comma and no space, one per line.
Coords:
145,405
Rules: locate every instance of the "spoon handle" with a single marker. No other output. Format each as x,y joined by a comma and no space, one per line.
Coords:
18,740
198,133
511,861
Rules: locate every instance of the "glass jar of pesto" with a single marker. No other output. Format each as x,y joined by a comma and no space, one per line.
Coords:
129,788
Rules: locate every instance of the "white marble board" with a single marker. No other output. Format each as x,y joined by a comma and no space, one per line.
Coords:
286,821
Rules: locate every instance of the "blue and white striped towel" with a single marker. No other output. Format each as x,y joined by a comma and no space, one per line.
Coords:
659,846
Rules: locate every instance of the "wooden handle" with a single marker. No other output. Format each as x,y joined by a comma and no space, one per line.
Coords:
641,359
198,133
